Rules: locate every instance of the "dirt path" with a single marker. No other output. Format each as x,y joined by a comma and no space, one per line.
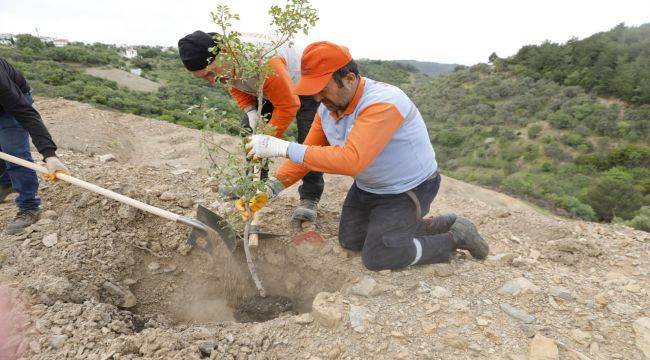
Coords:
102,281
124,78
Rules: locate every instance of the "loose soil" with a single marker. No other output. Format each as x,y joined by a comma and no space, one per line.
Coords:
121,284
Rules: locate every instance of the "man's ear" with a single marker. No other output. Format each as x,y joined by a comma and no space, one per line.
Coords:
350,78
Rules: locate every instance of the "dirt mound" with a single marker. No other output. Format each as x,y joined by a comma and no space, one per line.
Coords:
100,280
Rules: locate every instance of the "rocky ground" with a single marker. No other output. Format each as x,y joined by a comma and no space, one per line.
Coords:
94,279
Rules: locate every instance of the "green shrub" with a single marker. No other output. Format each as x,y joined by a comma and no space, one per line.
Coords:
534,130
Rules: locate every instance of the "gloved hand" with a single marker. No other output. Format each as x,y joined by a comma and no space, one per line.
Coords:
54,165
266,146
257,202
253,118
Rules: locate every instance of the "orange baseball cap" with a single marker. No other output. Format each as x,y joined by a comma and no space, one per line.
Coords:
319,61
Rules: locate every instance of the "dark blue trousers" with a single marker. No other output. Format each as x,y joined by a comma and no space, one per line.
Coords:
14,140
388,228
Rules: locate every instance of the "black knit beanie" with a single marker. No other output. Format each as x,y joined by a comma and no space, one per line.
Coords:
193,50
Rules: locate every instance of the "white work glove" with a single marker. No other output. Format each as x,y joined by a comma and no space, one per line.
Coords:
253,118
54,165
266,146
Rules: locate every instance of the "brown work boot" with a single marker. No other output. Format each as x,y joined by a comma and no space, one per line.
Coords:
466,237
440,224
5,190
306,211
23,219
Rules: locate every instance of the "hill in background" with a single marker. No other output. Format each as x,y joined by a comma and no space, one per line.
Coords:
535,125
429,67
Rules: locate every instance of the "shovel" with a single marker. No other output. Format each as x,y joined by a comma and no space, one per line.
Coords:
208,227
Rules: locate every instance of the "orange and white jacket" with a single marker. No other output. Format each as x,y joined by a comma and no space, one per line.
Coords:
278,88
380,139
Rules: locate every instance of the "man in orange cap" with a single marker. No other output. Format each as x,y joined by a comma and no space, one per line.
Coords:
280,103
373,132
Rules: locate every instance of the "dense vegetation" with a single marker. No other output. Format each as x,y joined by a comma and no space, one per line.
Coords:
54,71
615,63
519,124
526,133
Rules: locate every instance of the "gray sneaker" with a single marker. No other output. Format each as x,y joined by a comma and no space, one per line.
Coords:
467,238
23,219
5,191
306,211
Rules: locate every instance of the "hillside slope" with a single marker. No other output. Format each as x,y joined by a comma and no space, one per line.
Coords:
585,284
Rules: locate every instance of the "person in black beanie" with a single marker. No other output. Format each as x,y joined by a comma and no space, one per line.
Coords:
279,101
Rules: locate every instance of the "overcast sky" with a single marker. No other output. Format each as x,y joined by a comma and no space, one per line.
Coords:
453,31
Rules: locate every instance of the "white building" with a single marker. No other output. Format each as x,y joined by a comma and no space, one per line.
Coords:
7,39
130,53
60,42
54,41
136,71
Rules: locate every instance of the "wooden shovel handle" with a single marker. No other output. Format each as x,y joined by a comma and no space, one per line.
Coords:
94,188
253,239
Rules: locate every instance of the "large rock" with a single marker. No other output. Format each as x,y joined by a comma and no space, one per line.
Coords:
542,348
366,287
559,292
50,288
327,309
358,317
642,330
517,286
50,240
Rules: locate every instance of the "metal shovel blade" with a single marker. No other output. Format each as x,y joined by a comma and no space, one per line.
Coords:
216,228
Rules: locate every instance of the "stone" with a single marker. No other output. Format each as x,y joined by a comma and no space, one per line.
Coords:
517,313
167,196
443,270
126,212
504,258
327,309
527,330
107,157
358,316
50,240
560,292
182,171
456,341
429,327
594,348
440,292
35,346
52,288
186,202
153,266
128,299
517,286
56,341
125,295
49,214
581,337
534,255
304,319
207,347
622,309
542,348
366,287
641,328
